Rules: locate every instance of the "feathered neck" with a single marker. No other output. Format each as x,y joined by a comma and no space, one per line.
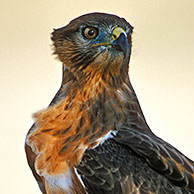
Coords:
121,98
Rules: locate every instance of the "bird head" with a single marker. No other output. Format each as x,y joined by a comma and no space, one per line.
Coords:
95,45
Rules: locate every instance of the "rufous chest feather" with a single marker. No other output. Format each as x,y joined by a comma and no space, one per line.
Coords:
66,129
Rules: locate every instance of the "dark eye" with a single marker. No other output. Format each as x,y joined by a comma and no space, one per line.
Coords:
90,32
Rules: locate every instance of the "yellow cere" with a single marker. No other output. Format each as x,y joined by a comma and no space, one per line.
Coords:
116,32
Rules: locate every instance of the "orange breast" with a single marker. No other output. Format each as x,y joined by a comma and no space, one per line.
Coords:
65,130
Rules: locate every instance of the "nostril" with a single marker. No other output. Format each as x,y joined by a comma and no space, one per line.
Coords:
114,36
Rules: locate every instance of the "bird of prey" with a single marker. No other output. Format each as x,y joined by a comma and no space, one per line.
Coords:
93,137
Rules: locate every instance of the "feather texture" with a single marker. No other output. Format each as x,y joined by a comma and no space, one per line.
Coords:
93,138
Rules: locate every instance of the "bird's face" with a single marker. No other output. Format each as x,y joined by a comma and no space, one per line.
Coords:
95,45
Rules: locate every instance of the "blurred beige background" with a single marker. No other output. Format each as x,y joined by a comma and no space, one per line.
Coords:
161,71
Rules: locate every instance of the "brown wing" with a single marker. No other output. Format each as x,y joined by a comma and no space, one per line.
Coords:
113,168
31,157
161,156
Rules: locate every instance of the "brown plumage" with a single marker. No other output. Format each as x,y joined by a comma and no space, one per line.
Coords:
94,128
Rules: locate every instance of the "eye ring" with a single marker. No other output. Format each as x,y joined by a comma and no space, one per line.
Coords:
90,32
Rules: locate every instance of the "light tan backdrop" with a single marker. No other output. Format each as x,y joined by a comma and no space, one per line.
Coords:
161,70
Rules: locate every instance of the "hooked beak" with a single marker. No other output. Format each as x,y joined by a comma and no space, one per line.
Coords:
120,41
